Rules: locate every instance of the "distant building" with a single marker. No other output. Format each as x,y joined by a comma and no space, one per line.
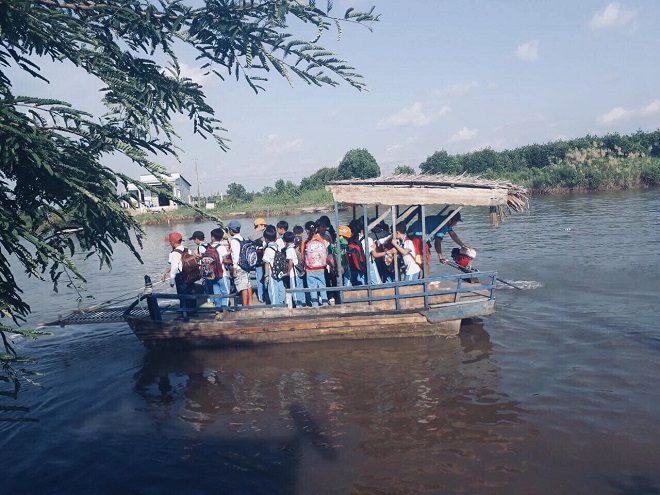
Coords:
152,200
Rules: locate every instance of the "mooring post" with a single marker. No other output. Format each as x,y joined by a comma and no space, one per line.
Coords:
152,302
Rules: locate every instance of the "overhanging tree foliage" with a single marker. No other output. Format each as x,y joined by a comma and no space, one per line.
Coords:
55,192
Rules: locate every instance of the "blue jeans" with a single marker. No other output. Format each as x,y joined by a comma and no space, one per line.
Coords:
220,288
316,279
414,276
275,291
358,278
299,297
259,274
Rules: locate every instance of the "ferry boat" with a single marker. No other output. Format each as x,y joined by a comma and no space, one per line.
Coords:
424,307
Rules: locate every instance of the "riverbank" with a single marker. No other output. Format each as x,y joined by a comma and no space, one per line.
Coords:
190,215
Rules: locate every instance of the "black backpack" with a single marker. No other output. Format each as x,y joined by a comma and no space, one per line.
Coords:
278,268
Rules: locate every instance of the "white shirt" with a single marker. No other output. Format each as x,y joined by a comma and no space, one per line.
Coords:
174,259
409,259
235,248
291,255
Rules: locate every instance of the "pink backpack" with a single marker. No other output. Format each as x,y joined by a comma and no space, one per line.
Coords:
316,255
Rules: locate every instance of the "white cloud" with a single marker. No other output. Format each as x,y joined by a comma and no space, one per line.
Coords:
614,16
406,143
464,134
459,89
412,116
651,108
618,114
271,137
614,115
294,145
196,75
528,52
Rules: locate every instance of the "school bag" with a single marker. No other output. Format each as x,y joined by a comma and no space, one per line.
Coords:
247,256
210,266
278,268
299,267
316,254
355,258
189,268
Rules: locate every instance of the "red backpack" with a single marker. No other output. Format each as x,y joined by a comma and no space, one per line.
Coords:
355,258
210,266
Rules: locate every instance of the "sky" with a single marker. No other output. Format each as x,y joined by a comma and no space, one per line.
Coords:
454,75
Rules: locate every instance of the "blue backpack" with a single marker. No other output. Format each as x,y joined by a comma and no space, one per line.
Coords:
247,256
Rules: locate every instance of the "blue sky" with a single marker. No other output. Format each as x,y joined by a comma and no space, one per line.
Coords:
454,75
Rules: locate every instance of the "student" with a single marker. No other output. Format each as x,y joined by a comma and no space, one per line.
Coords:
200,248
259,226
282,227
302,298
322,228
357,278
292,262
344,235
220,286
241,277
273,286
406,248
431,223
315,255
173,272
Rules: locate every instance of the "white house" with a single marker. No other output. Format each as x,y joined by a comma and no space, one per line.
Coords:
180,190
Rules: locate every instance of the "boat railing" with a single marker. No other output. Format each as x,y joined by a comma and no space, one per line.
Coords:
458,285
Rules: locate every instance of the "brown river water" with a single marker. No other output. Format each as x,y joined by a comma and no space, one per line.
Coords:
558,392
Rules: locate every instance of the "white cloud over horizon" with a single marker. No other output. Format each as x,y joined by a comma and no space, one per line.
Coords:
413,116
613,16
528,51
464,134
618,114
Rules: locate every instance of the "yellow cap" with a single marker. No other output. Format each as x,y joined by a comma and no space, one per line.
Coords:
259,221
345,231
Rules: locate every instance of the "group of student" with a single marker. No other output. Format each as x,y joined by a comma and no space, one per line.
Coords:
303,257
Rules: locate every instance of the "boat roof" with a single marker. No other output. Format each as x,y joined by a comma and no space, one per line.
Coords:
461,190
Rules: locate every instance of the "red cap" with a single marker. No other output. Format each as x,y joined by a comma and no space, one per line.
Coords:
174,237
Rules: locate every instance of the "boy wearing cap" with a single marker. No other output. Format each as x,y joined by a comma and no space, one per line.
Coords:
241,277
174,270
198,238
432,223
259,226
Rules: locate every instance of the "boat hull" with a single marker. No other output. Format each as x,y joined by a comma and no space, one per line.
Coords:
286,325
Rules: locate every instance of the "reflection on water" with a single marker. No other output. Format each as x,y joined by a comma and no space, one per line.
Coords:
425,409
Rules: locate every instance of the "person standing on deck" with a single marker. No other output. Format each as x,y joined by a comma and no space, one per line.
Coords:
314,250
200,248
220,286
173,271
432,223
406,249
259,226
241,277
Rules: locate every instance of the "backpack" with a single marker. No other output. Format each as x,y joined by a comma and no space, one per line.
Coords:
247,256
210,266
355,258
278,268
189,268
316,254
299,267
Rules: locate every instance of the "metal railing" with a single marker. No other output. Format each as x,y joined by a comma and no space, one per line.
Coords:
374,293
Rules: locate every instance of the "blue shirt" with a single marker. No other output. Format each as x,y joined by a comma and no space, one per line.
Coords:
431,223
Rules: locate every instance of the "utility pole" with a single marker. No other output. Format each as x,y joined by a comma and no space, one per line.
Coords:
197,177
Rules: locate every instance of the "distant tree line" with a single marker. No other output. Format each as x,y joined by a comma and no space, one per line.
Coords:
588,163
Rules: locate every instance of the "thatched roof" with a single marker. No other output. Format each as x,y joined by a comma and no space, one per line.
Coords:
460,190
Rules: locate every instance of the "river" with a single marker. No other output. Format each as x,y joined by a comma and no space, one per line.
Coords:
555,393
